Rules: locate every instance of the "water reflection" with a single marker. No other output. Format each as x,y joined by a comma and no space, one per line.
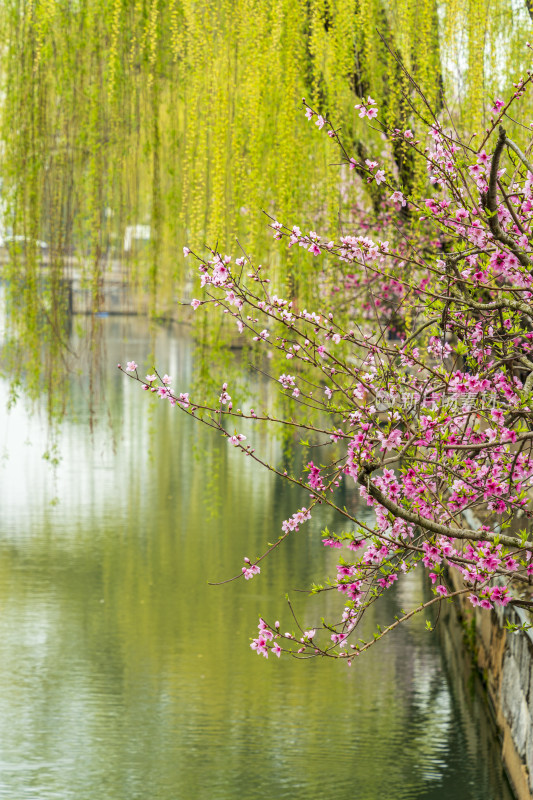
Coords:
123,675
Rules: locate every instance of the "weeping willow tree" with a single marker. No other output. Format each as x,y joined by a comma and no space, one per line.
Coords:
182,119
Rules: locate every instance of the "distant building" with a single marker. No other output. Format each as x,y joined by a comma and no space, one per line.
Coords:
135,233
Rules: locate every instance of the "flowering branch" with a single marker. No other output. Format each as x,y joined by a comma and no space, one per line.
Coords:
418,384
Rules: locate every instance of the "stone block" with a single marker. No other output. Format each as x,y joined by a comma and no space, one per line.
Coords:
511,688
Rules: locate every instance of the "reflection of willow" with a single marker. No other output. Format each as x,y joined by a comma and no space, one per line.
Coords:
118,115
146,548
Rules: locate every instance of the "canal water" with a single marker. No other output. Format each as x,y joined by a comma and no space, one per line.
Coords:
125,676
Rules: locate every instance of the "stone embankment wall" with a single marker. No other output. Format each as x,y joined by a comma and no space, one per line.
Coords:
505,660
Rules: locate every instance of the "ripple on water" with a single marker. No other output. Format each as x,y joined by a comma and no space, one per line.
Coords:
122,675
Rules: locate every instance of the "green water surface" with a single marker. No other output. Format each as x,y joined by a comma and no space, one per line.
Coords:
124,676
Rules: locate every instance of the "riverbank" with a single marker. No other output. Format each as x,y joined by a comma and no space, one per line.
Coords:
504,660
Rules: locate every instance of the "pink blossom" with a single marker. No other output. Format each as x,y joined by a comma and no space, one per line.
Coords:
260,646
391,441
498,416
365,109
355,545
250,571
220,275
500,595
262,626
490,562
315,479
397,197
286,381
293,524
131,366
236,439
387,582
263,336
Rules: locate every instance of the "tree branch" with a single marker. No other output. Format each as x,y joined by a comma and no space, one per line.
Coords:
490,201
428,524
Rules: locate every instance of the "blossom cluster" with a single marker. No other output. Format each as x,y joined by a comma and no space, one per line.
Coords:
417,387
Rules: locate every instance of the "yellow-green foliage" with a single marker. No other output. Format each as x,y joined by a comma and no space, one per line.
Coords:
186,115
